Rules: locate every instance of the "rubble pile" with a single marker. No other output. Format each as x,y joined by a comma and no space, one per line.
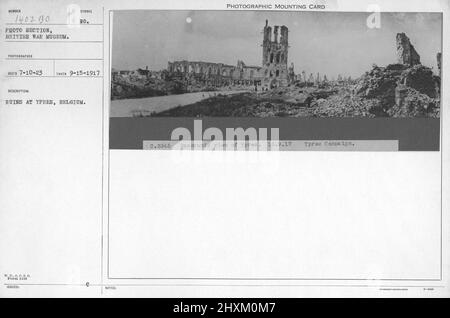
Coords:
421,78
415,104
125,88
344,105
400,90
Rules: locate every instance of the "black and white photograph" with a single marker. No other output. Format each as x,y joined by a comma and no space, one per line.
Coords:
224,156
275,64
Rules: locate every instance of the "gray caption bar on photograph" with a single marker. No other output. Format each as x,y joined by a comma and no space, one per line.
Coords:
285,145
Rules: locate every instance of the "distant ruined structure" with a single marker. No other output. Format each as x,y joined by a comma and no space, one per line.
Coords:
273,72
406,53
215,74
439,61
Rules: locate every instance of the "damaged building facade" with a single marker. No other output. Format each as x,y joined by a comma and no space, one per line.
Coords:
215,74
273,72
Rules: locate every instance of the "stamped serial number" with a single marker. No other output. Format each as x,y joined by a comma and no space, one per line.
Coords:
24,19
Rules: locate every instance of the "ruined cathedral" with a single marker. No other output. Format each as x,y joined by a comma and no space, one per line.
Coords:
273,72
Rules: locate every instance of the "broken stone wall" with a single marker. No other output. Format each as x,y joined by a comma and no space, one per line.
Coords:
406,53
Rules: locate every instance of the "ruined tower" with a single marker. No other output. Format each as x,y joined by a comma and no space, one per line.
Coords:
275,56
406,53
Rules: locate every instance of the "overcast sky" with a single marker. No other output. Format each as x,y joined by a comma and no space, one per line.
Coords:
331,43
